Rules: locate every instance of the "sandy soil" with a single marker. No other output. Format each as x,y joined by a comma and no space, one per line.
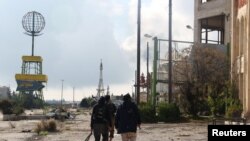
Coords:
78,129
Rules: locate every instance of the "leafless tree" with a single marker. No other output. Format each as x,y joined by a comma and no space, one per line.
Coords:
201,73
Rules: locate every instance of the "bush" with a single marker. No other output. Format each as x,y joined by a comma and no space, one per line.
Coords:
234,106
168,112
6,106
43,126
51,125
147,113
88,102
84,103
39,127
234,110
18,110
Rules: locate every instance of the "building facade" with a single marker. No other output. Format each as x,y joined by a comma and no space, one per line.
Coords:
4,92
240,52
226,23
212,21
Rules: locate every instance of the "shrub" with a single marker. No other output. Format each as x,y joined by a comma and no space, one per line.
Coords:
234,110
168,112
88,102
51,125
39,128
43,133
84,103
6,107
43,126
10,107
18,110
147,113
234,106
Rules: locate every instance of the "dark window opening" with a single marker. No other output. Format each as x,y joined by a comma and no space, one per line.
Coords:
212,30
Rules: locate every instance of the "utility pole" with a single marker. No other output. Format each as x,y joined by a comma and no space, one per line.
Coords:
138,51
147,73
155,70
170,53
135,86
148,76
62,93
73,96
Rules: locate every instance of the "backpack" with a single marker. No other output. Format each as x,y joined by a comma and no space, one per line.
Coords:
100,114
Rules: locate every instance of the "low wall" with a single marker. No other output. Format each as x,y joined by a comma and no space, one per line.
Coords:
229,121
1,116
23,117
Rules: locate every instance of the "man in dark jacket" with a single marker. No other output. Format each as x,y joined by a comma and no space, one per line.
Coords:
100,120
127,119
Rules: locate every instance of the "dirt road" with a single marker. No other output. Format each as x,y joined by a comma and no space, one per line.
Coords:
78,129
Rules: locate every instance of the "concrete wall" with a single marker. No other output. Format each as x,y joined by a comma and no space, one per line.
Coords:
211,9
4,92
1,116
240,52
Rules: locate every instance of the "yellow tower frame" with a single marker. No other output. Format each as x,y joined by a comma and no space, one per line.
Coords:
31,78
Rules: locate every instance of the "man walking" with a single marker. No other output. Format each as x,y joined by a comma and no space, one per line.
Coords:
112,110
127,119
100,120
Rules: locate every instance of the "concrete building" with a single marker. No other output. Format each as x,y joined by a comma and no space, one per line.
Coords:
226,23
240,52
4,92
212,21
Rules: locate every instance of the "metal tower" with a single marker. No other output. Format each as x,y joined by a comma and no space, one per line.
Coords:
30,80
100,89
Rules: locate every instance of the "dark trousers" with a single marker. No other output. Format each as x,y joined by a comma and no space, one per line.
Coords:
101,129
112,129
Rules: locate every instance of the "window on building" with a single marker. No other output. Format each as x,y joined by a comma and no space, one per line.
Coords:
204,1
212,30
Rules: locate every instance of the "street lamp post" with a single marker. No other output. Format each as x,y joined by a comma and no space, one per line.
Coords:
155,70
153,92
147,73
62,93
147,36
73,96
132,88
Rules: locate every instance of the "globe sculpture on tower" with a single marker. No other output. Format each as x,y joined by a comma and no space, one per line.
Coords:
33,23
30,80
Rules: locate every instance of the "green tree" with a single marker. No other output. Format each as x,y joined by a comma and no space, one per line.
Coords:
87,102
6,106
84,103
29,101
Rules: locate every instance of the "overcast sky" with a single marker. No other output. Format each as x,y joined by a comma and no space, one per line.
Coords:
79,34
